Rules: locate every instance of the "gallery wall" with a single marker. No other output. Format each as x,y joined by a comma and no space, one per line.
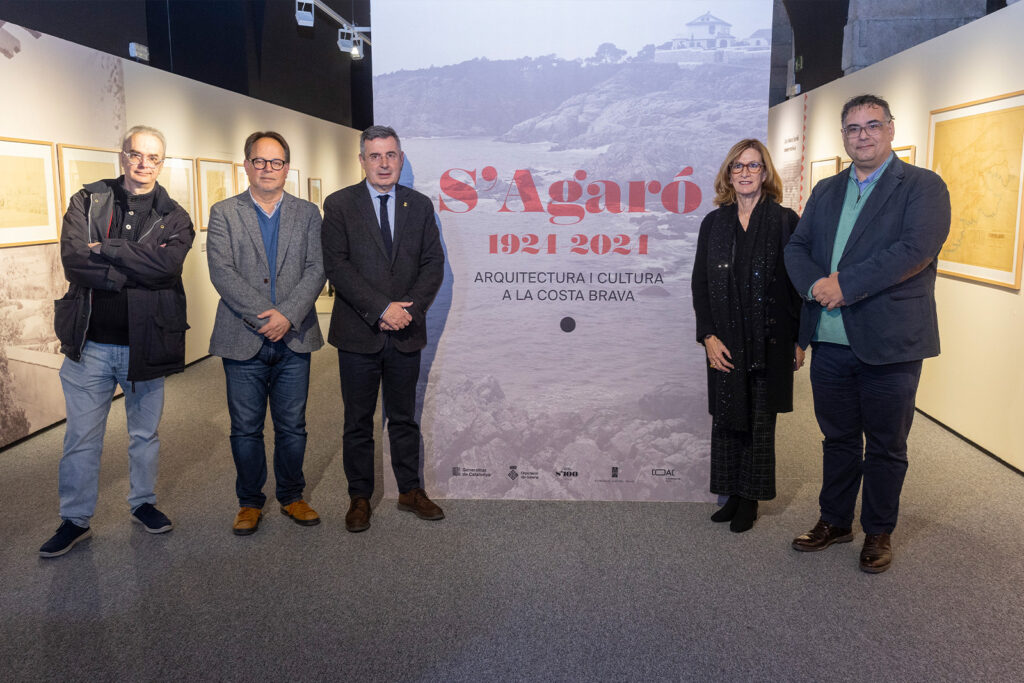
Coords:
975,386
59,92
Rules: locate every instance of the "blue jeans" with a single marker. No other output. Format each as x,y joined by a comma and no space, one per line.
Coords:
88,390
280,376
865,413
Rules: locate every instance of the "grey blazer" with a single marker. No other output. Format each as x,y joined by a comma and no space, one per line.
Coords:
239,272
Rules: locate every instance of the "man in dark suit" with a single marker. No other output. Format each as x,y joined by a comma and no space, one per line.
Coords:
864,255
382,253
263,248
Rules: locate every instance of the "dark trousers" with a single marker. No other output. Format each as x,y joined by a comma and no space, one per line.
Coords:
279,376
362,375
865,412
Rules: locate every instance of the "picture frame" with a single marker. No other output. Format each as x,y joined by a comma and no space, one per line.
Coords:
178,177
291,184
823,168
80,166
845,164
216,183
316,193
241,178
978,149
907,154
29,212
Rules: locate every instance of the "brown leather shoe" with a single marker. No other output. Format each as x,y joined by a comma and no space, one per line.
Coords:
876,556
301,513
417,501
821,536
358,516
247,521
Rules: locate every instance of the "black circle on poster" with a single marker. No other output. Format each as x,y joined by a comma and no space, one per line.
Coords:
567,324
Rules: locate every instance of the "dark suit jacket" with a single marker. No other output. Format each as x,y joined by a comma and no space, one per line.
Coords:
887,270
366,281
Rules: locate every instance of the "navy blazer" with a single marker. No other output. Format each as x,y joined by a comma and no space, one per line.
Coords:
366,280
887,270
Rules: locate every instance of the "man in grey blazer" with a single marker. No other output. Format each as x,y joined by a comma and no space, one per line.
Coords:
385,278
263,247
864,255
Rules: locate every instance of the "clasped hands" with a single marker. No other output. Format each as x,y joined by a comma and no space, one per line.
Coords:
395,316
826,291
720,359
276,326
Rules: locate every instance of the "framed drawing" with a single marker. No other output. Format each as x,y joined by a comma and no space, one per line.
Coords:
291,185
316,192
241,179
216,182
823,168
178,177
83,165
978,149
907,154
29,212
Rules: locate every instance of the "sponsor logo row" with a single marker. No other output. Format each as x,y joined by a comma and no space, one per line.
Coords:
612,474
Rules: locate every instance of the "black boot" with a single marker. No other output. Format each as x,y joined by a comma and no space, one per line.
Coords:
727,511
745,515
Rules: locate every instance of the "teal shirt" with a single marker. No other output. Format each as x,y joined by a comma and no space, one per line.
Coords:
830,324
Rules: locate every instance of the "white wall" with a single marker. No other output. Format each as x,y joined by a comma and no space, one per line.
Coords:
976,387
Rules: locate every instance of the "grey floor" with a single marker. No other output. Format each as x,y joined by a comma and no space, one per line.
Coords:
501,590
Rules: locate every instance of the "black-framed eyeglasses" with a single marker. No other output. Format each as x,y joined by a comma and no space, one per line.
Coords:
260,163
754,167
873,128
135,158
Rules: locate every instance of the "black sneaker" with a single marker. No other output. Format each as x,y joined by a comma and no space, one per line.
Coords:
68,534
151,519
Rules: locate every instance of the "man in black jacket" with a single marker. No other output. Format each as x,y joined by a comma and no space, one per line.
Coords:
122,322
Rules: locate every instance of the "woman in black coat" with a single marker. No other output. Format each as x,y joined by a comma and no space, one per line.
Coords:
747,319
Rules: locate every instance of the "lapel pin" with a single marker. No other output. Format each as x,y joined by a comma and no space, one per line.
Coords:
405,204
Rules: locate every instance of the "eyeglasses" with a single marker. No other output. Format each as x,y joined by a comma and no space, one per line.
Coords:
135,158
753,167
376,158
260,163
873,128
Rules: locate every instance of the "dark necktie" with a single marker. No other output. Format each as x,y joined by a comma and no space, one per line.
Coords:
385,224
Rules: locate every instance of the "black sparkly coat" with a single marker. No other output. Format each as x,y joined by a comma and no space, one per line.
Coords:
756,312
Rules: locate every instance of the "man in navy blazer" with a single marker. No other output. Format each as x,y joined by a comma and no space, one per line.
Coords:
382,253
263,248
864,256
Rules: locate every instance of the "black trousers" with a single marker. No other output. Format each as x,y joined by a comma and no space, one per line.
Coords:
362,375
865,412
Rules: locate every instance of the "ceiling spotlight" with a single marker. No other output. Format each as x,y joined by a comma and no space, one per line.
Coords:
304,12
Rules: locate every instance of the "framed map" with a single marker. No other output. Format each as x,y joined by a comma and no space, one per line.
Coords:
83,165
28,193
316,192
823,168
216,182
291,185
178,177
978,149
907,154
241,178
